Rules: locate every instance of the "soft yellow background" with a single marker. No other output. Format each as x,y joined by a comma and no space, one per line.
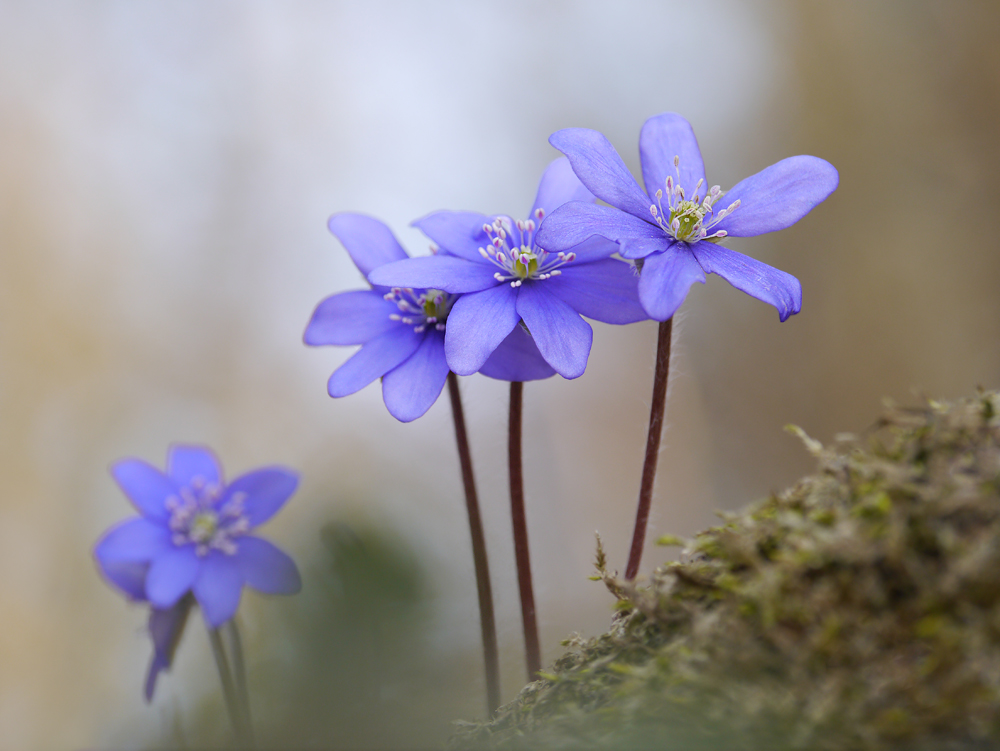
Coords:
166,171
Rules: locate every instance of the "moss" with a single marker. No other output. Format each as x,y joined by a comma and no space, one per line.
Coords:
859,609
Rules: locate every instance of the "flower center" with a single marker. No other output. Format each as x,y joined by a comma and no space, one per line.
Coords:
204,526
690,219
421,309
517,256
196,519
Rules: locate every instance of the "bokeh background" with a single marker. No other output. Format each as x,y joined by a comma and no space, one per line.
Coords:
166,172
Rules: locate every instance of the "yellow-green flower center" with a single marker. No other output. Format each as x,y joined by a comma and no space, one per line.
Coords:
522,270
204,526
689,215
436,304
517,256
690,219
420,309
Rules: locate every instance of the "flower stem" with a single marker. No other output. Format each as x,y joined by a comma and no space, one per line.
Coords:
487,621
240,675
656,411
228,691
532,651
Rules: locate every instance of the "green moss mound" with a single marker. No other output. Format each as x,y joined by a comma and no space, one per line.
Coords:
859,609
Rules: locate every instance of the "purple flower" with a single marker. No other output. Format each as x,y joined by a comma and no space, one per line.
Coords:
192,540
505,279
674,226
401,330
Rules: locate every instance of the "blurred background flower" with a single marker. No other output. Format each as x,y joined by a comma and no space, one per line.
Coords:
166,173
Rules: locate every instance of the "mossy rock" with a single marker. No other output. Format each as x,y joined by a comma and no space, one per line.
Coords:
859,609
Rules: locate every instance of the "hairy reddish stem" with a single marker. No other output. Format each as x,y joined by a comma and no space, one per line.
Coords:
656,411
487,621
532,651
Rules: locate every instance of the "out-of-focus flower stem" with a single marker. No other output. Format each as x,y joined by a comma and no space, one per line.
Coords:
244,736
652,446
487,621
240,673
532,651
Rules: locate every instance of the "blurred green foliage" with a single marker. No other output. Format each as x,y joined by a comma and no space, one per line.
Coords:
349,663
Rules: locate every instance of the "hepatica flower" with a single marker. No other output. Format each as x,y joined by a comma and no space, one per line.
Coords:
401,331
193,542
505,278
676,224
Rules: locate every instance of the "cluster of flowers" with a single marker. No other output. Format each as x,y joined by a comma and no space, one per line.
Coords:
504,297
500,296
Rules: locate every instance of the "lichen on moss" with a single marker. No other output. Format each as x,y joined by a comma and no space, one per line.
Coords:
860,609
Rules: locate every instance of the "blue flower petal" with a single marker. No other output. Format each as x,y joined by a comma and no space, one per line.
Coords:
517,359
266,568
146,486
563,338
477,324
350,318
218,588
410,389
171,575
165,627
661,139
369,242
134,541
778,196
574,222
642,247
374,360
446,273
599,167
559,184
457,232
606,290
594,249
128,576
265,491
665,280
757,279
185,463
